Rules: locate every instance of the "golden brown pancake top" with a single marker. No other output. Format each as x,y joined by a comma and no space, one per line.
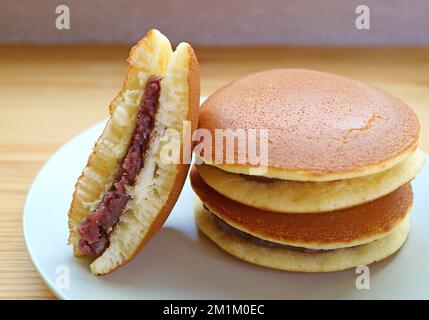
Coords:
318,122
340,226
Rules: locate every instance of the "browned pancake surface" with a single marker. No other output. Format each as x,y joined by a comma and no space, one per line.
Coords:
350,225
318,123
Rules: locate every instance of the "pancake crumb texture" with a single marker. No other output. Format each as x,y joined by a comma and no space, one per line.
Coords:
159,181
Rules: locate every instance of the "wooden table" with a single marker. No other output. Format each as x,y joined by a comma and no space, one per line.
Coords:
49,94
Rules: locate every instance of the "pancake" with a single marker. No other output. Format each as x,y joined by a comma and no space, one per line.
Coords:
329,230
322,127
292,260
309,197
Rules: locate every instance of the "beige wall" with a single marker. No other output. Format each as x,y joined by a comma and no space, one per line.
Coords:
329,22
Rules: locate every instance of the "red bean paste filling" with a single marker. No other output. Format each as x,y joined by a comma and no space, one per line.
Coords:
225,227
94,230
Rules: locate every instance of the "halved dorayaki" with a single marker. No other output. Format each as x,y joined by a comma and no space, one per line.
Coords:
127,188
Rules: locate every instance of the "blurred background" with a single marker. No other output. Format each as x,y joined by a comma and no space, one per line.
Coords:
220,22
63,61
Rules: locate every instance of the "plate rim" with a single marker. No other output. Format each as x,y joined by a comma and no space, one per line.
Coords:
24,225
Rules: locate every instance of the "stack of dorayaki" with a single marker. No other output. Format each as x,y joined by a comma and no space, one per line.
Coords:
335,192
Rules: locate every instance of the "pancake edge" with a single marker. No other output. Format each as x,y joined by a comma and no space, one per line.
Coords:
316,176
329,200
293,261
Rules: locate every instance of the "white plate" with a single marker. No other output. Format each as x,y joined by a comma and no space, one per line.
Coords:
180,263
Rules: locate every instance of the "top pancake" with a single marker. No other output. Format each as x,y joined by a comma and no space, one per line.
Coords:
322,127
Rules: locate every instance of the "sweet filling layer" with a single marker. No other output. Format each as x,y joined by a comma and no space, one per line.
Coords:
94,230
225,227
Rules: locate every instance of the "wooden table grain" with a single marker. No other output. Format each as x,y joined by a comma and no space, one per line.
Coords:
48,94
